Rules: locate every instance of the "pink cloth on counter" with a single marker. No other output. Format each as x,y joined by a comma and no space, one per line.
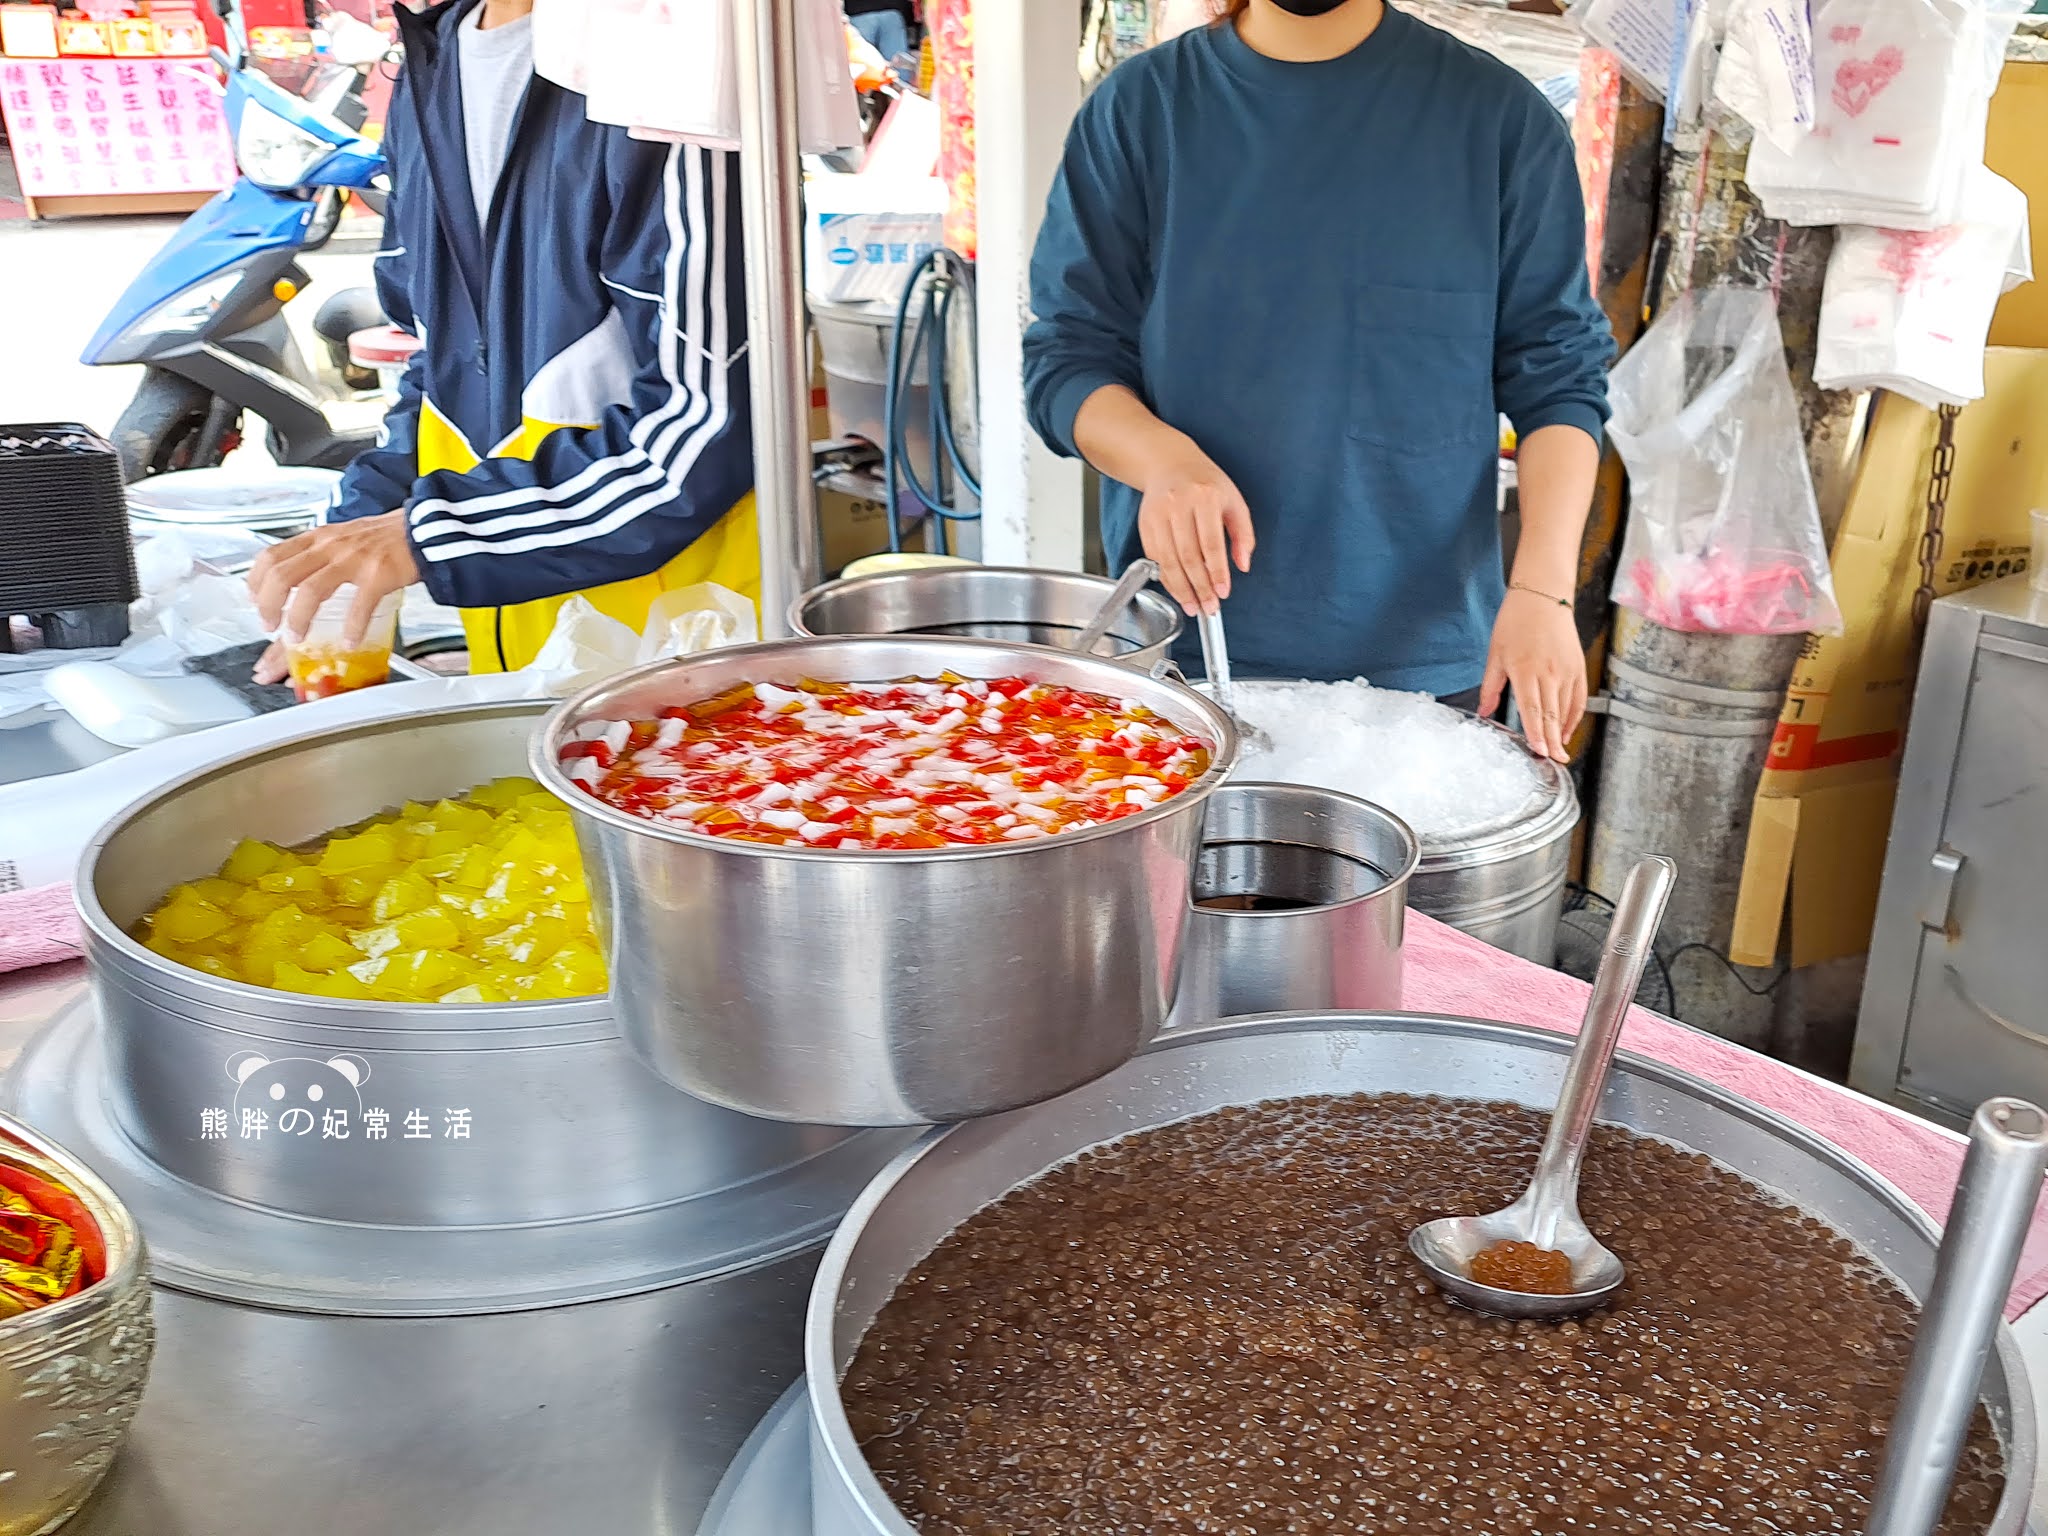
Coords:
38,927
1451,972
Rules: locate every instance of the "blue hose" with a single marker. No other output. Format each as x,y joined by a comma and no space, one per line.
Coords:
934,284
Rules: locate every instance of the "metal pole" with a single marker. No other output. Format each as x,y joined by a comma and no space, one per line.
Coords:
1980,1249
778,360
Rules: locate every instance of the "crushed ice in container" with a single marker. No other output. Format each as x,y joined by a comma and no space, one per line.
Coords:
1444,773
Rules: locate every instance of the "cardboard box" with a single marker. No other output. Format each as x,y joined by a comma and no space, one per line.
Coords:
821,415
1823,807
864,234
851,526
2012,147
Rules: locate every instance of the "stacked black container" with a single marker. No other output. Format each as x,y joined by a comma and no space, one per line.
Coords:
66,561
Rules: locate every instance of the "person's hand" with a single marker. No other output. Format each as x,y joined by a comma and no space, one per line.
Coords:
1193,522
271,666
1536,652
291,580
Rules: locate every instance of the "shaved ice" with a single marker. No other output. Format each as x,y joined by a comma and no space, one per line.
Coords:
1443,772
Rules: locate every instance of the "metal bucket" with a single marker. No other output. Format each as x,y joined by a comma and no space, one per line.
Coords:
492,1114
1689,727
861,988
71,1373
951,1174
990,602
1504,883
1298,900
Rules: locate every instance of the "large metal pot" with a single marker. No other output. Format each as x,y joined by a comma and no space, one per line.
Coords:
951,1174
1013,603
1504,883
71,1373
1298,901
527,1112
854,988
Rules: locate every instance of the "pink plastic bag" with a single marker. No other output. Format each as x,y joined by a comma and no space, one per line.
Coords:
1724,535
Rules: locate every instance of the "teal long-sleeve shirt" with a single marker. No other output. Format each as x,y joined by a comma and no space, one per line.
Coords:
1335,278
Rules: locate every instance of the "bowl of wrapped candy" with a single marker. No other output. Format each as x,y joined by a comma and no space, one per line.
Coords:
75,1330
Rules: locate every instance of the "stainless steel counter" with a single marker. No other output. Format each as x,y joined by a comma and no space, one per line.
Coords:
616,1417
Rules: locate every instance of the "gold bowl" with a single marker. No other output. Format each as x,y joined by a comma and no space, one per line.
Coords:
72,1372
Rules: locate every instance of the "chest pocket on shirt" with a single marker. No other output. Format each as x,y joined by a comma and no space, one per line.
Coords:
1421,367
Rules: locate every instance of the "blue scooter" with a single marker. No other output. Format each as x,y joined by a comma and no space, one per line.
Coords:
206,315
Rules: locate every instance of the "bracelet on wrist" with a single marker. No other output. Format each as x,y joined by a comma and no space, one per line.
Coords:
1522,586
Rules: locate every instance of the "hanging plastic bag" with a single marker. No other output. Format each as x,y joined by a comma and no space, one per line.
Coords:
1902,94
1724,534
1909,311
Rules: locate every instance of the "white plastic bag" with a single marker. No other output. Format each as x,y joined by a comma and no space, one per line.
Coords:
1765,72
667,68
1902,93
1909,311
1724,535
586,647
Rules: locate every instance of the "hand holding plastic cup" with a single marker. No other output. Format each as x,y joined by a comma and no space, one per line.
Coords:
323,662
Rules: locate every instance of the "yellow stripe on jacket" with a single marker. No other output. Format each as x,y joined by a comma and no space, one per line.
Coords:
506,639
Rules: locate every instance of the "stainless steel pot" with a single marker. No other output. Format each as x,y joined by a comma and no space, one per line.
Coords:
887,988
71,1373
1298,901
1013,603
951,1174
1504,883
526,1112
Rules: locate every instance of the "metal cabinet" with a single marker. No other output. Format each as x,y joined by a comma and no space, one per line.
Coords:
1955,1007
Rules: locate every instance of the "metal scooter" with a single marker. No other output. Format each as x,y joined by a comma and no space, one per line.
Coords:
206,315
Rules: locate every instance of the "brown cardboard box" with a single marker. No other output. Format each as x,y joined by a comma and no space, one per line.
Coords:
1823,807
2012,147
851,525
821,419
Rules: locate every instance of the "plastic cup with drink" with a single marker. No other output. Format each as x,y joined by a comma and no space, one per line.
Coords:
323,662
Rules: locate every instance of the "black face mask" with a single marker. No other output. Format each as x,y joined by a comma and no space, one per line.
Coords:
1308,7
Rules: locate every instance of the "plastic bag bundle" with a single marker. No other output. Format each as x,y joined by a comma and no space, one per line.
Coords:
1902,91
667,69
1909,310
586,646
1724,535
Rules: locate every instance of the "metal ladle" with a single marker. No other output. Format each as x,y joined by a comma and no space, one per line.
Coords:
1136,574
1980,1250
1547,1215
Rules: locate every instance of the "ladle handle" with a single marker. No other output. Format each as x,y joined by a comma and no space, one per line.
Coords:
1630,938
1135,575
1980,1250
1215,656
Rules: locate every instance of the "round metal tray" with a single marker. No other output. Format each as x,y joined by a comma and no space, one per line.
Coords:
767,1489
210,1245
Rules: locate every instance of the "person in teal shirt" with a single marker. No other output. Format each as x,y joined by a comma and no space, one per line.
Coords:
1293,269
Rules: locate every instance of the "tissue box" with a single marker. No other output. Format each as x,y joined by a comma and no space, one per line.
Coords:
864,234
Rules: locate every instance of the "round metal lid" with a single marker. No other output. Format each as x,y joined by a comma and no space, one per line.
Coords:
233,497
209,1245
